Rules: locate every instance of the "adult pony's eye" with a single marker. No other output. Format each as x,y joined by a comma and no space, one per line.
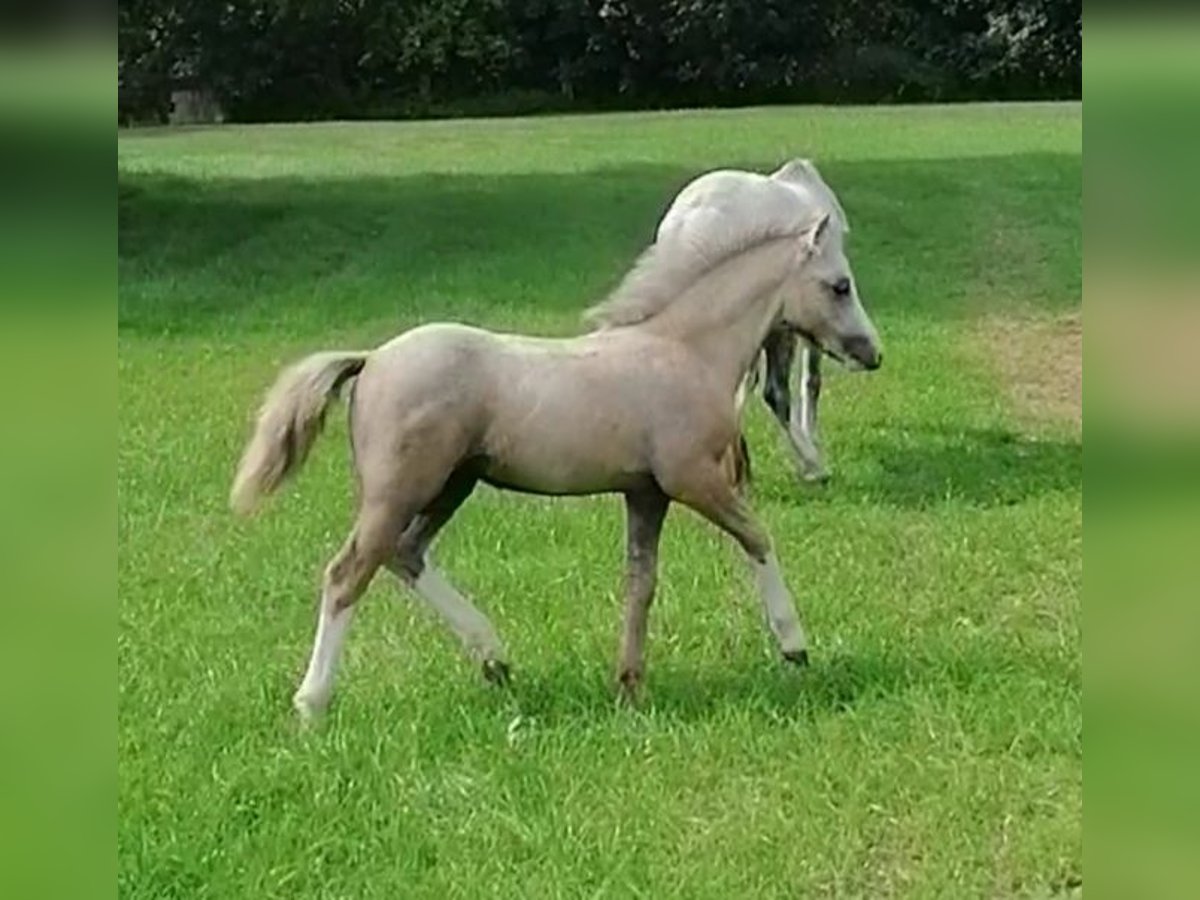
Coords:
841,287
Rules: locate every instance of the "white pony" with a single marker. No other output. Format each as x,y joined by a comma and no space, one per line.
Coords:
705,206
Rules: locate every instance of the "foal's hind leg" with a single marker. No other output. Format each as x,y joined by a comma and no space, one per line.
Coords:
346,577
710,495
410,562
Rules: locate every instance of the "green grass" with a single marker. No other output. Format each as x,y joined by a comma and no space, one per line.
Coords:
934,748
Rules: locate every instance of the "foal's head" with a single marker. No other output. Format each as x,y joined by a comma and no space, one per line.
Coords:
821,299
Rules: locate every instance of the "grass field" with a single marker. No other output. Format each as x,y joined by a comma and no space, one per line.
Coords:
934,747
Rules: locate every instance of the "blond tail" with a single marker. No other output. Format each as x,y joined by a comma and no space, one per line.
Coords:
290,420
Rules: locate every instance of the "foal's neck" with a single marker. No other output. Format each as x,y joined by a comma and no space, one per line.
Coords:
726,317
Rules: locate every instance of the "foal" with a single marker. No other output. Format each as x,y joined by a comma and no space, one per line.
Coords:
642,407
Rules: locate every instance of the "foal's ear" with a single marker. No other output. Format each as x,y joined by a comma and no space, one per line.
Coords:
814,236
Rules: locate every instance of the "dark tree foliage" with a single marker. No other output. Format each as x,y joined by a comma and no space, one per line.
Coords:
309,59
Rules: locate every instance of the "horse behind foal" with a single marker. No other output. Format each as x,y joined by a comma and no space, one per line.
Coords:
643,407
705,203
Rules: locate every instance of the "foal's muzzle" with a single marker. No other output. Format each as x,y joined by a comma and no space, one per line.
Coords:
863,351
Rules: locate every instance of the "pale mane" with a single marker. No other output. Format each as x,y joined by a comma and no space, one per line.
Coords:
666,270
804,173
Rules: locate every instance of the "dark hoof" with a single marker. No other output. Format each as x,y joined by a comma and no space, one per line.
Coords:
629,684
496,671
797,658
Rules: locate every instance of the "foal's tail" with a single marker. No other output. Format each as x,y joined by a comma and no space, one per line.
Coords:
290,420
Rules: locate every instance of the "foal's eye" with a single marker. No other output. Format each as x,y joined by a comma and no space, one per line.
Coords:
841,287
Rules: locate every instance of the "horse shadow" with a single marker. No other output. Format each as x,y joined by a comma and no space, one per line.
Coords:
209,255
763,688
918,467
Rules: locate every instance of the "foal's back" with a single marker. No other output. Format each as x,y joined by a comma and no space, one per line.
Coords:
553,415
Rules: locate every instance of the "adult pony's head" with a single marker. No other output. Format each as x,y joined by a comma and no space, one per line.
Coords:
820,296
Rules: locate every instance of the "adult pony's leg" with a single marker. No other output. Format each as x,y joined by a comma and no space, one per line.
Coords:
644,514
410,562
797,414
802,421
707,493
346,577
735,463
779,349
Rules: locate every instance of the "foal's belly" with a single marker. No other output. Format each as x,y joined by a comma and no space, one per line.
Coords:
559,484
564,452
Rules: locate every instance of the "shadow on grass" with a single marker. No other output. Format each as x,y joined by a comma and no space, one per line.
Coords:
979,467
766,688
207,255
916,468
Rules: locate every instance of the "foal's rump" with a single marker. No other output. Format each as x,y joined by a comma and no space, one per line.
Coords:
293,412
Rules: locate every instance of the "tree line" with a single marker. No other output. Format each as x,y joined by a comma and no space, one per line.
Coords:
314,59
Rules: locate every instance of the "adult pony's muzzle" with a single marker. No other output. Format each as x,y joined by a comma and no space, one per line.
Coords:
863,351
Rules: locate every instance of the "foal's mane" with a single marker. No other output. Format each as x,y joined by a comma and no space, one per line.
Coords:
665,271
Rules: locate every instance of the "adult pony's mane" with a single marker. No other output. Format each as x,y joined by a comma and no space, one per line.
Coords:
665,271
803,172
793,197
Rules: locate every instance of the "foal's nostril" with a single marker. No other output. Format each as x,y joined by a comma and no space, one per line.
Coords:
864,351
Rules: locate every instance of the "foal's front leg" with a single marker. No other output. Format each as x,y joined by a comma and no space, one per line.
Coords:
644,514
710,495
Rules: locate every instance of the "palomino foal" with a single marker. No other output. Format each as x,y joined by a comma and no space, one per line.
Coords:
643,406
